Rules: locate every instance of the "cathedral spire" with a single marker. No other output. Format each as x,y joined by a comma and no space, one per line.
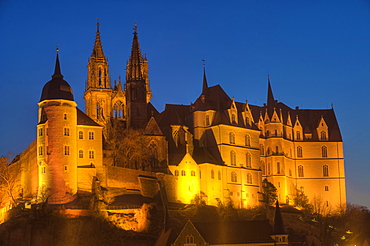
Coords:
270,95
134,66
205,84
98,47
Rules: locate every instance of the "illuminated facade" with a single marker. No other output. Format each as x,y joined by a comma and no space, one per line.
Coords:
216,147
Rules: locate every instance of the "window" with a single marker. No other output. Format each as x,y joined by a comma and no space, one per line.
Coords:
233,117
192,173
212,174
232,138
325,171
263,168
248,160
262,149
247,121
268,133
277,149
299,151
247,140
91,154
278,168
249,178
65,116
80,154
65,168
91,135
66,131
233,158
189,239
298,135
276,132
41,132
183,173
268,168
41,152
326,188
234,177
324,151
176,172
66,150
80,135
43,169
323,136
207,120
300,171
219,175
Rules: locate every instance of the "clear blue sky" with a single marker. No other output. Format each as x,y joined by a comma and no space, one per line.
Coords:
316,52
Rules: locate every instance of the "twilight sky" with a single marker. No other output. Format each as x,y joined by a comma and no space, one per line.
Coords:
316,52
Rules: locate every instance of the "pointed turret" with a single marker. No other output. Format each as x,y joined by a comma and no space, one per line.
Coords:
57,73
270,95
279,227
205,84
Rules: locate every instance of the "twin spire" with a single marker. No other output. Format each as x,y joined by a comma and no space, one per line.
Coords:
98,47
135,63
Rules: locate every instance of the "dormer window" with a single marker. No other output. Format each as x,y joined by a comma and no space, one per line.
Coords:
323,136
233,118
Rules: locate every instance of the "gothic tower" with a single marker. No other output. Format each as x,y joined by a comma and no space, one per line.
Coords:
56,140
137,86
98,92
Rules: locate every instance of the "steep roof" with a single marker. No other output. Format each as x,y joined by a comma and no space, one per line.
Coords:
83,119
234,232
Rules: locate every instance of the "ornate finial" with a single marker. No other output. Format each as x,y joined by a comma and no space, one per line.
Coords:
332,105
204,63
97,24
119,79
57,49
135,27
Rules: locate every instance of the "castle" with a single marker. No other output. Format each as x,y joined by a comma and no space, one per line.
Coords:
215,147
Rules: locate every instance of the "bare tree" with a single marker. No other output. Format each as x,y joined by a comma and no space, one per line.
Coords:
9,177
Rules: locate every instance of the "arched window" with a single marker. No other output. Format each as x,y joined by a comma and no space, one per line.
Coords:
249,178
233,158
323,136
233,118
80,135
234,177
276,132
247,140
277,149
324,151
325,171
326,188
268,133
41,150
262,149
66,131
232,138
300,171
268,168
263,168
189,239
298,135
91,135
100,77
118,110
268,151
192,173
183,173
278,171
212,174
80,154
248,160
207,120
299,151
219,175
247,121
176,172
91,154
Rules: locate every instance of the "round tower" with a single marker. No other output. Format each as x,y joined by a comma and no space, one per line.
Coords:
57,140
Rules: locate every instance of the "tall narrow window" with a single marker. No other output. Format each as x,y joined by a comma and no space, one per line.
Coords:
263,168
207,120
66,131
176,172
41,132
183,173
298,134
66,150
323,136
249,178
324,151
91,154
233,117
192,173
247,121
80,135
262,149
233,158
80,154
277,149
232,138
212,174
325,170
326,188
247,140
300,171
41,152
299,151
91,135
65,116
278,171
234,177
219,175
248,160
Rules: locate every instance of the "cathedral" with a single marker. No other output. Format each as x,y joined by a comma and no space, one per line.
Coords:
216,147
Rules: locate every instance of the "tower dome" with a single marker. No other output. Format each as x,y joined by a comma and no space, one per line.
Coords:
57,87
